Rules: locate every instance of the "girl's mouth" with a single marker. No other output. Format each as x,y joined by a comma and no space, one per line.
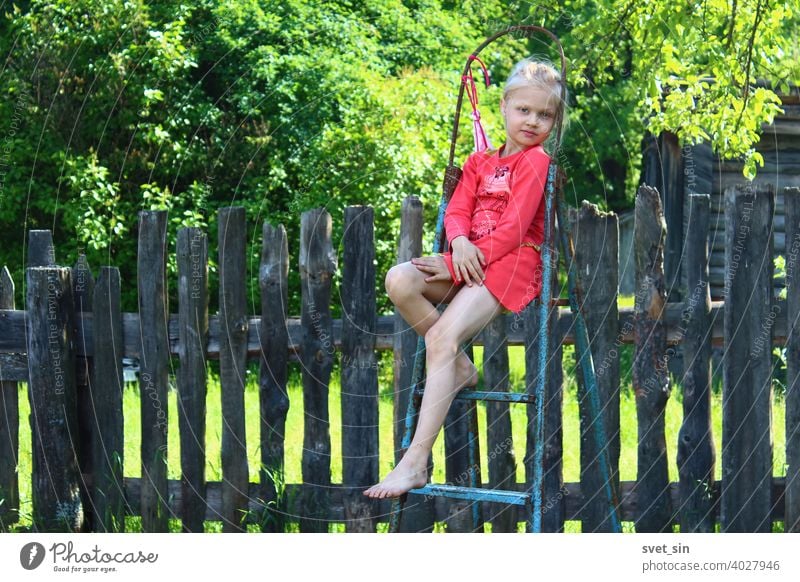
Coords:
529,133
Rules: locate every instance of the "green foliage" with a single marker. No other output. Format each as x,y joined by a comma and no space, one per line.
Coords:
116,106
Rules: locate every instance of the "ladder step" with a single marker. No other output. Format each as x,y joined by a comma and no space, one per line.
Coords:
474,494
513,397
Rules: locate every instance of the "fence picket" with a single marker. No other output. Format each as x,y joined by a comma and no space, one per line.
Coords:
105,394
274,399
650,374
792,423
695,443
9,427
746,493
499,442
317,265
233,365
359,367
192,255
153,367
51,389
418,514
596,236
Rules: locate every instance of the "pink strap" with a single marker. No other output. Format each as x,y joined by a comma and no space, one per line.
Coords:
469,81
479,134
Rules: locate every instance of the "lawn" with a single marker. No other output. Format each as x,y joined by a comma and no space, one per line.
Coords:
294,425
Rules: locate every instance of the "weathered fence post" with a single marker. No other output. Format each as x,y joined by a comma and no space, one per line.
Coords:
233,327
418,512
359,371
192,255
83,294
153,368
554,492
41,252
51,382
9,427
274,373
597,266
746,494
460,426
105,394
792,495
695,443
650,377
317,266
499,442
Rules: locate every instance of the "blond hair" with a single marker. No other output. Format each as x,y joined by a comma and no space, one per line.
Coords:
540,73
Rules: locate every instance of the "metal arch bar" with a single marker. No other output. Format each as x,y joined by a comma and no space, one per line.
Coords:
529,30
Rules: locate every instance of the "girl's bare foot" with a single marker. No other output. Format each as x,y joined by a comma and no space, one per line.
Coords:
404,477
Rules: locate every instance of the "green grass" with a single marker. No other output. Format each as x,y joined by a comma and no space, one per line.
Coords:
294,426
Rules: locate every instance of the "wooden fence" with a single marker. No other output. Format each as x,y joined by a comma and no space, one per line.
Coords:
69,341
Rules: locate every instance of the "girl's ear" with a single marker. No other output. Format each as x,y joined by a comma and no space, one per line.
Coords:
503,106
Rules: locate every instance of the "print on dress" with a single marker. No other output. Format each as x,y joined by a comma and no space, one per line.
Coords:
492,199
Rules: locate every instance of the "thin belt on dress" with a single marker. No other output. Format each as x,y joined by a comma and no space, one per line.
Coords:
532,244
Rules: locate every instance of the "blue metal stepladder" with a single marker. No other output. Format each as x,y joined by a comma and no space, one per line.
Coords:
531,499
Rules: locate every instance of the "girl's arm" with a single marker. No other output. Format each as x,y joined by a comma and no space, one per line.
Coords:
527,193
458,216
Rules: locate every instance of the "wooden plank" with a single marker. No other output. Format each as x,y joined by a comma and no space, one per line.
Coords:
746,501
233,363
296,493
192,258
597,264
792,398
650,378
418,509
9,426
12,333
83,294
696,453
317,265
358,364
457,428
51,390
106,394
274,399
499,441
153,367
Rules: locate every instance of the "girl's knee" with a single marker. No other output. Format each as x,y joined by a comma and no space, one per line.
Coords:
399,280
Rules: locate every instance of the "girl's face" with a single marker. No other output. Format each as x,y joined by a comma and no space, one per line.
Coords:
529,113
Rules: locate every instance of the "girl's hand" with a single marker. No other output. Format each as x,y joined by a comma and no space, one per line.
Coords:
468,261
435,266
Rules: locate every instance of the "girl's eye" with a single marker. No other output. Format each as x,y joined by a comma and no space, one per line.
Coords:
523,109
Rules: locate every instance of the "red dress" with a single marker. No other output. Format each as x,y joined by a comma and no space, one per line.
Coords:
499,206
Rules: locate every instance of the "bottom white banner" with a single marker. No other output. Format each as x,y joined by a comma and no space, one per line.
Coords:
356,557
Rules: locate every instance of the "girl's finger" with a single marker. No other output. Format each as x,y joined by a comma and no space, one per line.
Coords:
474,274
466,274
478,271
459,274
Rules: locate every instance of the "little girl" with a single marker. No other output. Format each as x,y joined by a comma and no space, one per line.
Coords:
495,227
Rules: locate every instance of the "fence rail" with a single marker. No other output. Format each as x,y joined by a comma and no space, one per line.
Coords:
69,341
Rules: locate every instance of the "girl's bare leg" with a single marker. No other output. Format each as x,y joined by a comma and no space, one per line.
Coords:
416,301
469,311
